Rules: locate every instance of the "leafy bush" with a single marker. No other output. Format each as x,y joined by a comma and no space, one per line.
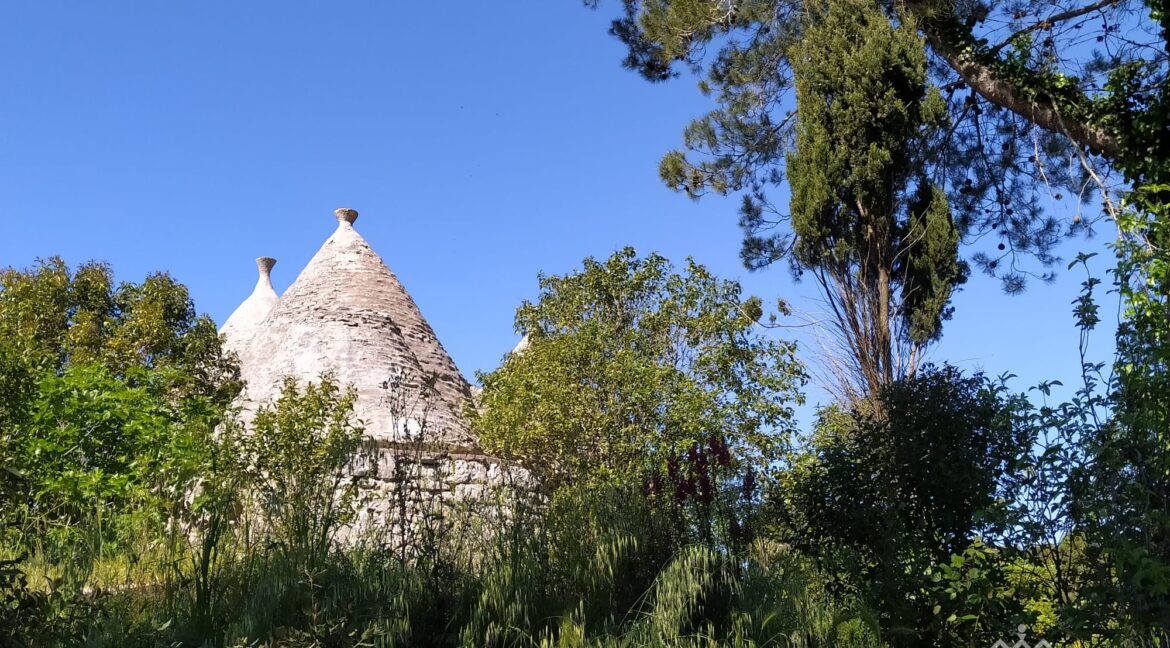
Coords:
642,376
904,481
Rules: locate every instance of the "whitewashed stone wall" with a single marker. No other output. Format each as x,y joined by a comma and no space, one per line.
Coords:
405,490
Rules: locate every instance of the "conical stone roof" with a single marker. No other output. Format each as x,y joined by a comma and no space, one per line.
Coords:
242,324
348,314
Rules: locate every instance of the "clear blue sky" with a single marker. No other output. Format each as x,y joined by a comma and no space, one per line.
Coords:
481,142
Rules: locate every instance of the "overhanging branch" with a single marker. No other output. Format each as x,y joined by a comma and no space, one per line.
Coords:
1000,92
1051,21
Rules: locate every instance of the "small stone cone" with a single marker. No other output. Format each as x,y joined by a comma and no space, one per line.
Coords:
243,323
521,346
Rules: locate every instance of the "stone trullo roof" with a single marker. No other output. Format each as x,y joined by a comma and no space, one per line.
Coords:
347,313
241,325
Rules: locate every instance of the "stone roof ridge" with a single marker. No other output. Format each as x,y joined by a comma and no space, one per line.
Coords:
347,313
244,321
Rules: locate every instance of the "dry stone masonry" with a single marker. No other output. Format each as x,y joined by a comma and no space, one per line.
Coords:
348,314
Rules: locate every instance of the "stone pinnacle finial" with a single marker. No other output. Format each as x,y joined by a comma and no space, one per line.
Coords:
347,215
264,265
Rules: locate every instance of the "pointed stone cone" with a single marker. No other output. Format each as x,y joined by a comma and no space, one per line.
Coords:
243,323
347,313
521,346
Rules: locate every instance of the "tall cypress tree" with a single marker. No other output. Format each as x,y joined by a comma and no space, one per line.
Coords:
869,225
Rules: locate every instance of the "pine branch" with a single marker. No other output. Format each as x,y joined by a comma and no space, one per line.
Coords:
948,40
1051,21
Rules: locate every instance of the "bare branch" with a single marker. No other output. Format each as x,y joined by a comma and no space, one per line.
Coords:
1050,21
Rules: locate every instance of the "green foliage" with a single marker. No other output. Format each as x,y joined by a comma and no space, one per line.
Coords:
296,454
875,232
1121,485
54,318
635,373
927,461
1030,102
929,266
978,599
16,393
905,484
865,111
91,437
30,618
917,506
1026,93
1126,509
590,571
1144,274
101,388
1025,86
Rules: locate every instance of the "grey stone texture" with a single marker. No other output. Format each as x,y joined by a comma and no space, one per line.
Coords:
348,314
405,489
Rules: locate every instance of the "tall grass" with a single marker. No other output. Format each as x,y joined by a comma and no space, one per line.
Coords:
596,569
260,546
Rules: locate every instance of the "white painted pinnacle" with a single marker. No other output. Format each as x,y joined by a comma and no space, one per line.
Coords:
248,316
264,265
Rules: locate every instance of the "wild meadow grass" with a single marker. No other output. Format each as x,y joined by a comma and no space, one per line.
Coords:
598,571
